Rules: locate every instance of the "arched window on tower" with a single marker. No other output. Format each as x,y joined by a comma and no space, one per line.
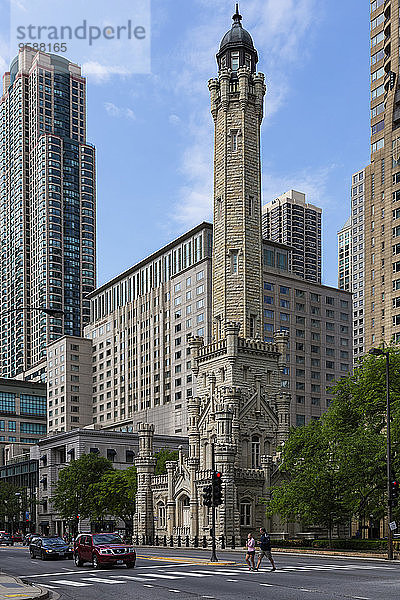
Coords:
234,61
255,452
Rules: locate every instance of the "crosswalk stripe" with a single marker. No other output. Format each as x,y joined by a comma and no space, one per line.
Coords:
101,580
191,574
160,576
72,583
133,577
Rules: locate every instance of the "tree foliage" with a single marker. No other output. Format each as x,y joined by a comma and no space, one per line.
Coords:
335,468
73,494
116,494
162,457
13,501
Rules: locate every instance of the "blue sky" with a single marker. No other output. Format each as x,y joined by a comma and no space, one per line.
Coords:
154,135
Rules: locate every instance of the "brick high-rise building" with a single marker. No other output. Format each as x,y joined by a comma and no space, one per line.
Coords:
47,207
382,181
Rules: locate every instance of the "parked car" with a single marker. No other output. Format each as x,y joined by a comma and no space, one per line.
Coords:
102,549
49,547
17,537
6,539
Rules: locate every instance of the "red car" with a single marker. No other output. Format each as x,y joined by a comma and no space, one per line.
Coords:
103,549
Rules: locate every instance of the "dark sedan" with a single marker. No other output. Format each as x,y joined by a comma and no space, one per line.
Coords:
49,547
6,538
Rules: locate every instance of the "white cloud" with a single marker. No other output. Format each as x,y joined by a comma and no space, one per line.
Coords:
117,111
100,73
280,29
174,119
314,183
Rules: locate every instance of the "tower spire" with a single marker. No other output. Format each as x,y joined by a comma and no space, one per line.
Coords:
237,17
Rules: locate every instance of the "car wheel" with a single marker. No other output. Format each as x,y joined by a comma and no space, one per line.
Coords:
78,562
31,552
43,556
130,564
96,563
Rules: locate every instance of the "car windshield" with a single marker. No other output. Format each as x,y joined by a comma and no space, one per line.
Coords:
53,542
107,538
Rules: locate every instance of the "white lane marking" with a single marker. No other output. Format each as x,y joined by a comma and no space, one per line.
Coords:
175,591
47,585
159,576
189,574
235,580
147,585
133,577
70,573
225,572
102,580
267,584
73,583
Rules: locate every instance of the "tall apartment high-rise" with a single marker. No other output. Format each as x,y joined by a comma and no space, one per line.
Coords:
290,220
47,207
344,257
382,181
351,260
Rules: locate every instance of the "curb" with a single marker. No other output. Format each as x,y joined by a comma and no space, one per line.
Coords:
45,593
8,593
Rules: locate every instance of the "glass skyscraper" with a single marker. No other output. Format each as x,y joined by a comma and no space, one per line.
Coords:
47,207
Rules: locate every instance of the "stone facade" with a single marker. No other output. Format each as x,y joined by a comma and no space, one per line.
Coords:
240,415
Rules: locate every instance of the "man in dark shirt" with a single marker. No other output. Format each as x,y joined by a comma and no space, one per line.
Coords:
265,549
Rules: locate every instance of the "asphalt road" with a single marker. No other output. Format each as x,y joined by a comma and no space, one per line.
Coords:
167,573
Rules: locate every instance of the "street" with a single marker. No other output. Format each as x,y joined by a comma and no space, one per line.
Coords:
164,573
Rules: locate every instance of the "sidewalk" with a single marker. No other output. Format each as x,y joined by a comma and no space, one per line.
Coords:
12,587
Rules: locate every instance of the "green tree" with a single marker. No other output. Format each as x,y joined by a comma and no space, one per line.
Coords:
13,503
73,494
115,495
163,456
335,468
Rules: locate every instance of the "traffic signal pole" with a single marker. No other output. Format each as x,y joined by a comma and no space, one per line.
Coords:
214,546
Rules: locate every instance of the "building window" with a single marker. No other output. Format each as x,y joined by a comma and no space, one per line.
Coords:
32,405
234,261
245,514
234,61
162,520
234,140
255,452
7,403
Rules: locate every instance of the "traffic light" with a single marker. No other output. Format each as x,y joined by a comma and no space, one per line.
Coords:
207,496
217,488
394,491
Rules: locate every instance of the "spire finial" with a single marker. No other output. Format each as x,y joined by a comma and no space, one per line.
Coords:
237,17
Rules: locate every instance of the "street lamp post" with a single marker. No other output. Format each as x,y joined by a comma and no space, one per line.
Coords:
385,353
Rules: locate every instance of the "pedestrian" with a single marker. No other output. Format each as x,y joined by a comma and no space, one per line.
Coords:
265,549
251,551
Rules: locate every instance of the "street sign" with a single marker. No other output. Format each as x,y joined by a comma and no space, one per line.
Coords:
393,525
